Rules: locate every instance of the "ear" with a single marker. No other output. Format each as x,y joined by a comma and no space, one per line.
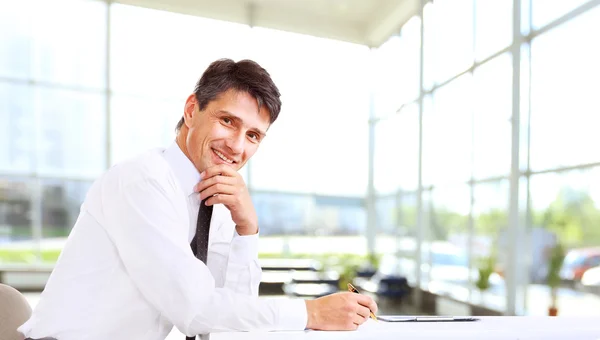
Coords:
189,110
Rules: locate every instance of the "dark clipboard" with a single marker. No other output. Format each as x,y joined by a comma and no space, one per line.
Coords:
426,319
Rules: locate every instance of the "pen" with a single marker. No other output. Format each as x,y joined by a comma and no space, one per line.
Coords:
352,289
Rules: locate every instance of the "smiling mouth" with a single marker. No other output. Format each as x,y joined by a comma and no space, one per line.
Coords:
223,157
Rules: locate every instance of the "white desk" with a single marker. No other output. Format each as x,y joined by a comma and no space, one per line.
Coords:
493,328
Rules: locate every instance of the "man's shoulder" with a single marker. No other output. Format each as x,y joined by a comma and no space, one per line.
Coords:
149,165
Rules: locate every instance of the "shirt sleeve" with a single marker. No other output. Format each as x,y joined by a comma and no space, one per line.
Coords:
147,223
235,264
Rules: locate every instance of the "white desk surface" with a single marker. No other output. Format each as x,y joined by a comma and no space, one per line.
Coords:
493,328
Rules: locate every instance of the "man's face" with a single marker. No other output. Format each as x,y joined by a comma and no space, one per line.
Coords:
228,130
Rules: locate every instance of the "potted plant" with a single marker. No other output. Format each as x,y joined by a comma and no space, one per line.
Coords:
557,257
486,268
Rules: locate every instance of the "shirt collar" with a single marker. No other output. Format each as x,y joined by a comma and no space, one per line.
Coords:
185,171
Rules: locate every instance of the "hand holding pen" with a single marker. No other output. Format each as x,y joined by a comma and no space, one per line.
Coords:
352,289
339,311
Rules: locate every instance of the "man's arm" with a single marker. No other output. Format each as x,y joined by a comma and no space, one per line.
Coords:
222,184
149,231
234,264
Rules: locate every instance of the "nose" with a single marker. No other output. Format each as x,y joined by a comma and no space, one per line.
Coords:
236,143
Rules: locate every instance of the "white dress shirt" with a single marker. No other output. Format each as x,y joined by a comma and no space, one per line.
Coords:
127,270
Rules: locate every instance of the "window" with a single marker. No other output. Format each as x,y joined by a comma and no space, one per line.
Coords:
69,42
318,143
493,26
17,128
447,131
387,215
492,111
396,70
16,213
449,210
449,24
139,124
171,50
397,152
72,133
564,108
16,37
545,11
568,206
61,201
387,62
297,214
491,233
396,215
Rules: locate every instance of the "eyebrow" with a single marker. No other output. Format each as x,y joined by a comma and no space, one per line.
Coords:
233,116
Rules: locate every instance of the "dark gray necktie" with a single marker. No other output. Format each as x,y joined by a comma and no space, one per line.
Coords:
199,243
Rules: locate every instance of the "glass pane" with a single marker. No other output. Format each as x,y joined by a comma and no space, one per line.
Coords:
171,50
428,46
139,124
452,35
525,17
564,105
16,138
490,215
490,222
397,152
447,131
396,215
281,214
411,59
492,125
449,212
567,204
61,201
63,54
396,69
493,26
386,215
15,37
396,218
291,214
72,132
387,73
525,102
445,258
545,11
565,211
319,142
16,238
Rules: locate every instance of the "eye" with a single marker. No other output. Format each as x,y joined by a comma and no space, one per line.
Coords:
226,120
253,136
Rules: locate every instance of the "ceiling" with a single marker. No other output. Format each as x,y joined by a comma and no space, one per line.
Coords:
366,22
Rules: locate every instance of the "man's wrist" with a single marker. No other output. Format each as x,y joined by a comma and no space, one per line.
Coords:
244,231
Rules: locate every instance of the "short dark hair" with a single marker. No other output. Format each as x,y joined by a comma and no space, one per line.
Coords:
243,76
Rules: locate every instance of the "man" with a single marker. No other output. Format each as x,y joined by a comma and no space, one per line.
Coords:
127,270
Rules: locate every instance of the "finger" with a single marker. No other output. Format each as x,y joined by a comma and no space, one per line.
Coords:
219,188
219,199
358,319
367,302
364,312
205,183
220,169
